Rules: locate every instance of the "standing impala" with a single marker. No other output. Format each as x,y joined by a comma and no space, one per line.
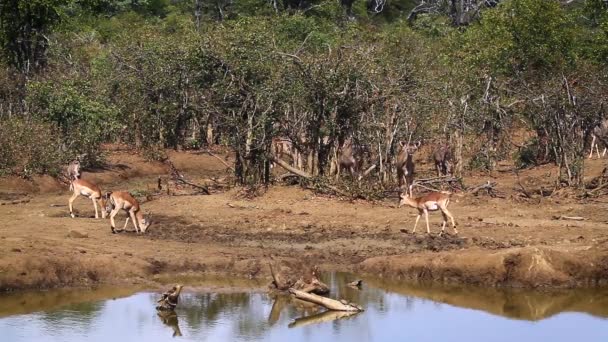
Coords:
430,202
405,164
599,132
123,200
81,187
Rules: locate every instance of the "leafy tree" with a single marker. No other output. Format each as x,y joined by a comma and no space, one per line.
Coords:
24,31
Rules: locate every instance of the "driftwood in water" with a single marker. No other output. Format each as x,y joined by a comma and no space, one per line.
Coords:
169,299
322,317
307,283
356,284
328,303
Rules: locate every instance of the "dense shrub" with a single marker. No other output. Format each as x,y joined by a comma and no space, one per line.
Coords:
29,147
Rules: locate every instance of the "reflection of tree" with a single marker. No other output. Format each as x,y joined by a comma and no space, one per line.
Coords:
81,316
205,309
241,310
513,303
278,304
169,318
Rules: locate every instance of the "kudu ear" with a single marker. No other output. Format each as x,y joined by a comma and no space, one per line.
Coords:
418,143
402,143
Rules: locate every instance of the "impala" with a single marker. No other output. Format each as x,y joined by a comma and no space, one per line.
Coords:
405,164
430,202
74,170
81,187
443,157
123,200
599,132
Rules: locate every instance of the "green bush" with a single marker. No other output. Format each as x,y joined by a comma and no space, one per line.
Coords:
29,147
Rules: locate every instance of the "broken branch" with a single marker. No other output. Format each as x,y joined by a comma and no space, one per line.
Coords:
328,303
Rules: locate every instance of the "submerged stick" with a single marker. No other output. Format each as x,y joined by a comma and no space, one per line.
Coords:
328,303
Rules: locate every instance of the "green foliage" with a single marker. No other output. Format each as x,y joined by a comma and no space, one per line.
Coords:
29,147
521,36
24,26
83,122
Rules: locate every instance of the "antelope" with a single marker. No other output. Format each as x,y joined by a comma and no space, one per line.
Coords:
443,157
73,169
346,159
430,202
123,200
405,164
281,146
81,187
599,132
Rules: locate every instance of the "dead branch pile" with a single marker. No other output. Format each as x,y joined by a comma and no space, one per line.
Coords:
178,177
488,188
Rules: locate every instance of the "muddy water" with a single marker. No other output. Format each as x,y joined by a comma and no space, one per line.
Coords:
394,311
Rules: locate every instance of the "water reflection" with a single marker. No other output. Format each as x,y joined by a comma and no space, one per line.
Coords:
393,311
169,318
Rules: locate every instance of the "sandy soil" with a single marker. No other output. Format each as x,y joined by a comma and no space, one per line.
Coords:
502,242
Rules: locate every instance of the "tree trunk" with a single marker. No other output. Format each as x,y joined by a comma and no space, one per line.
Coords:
458,146
328,303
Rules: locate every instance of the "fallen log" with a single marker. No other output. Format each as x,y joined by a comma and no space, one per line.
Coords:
328,303
221,160
21,201
489,186
303,174
325,316
367,172
179,178
572,218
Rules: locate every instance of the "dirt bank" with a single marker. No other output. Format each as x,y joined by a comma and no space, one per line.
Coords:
502,242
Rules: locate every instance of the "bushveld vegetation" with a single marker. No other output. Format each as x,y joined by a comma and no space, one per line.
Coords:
188,73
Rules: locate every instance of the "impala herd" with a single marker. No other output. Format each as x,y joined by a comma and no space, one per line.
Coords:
109,203
112,202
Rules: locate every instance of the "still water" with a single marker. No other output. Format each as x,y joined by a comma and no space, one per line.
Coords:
394,312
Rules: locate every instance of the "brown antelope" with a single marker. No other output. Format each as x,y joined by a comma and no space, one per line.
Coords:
346,159
123,200
73,170
281,146
443,158
405,164
81,187
430,202
599,132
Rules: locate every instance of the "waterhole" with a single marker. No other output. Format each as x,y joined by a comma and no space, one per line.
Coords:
393,311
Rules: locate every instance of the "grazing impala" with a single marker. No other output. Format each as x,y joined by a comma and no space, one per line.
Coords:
405,164
430,202
81,187
123,200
